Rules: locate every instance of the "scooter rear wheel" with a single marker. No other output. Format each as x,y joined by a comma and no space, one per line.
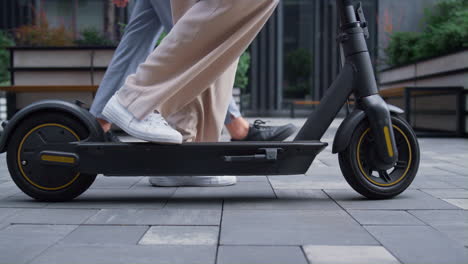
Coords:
46,182
358,162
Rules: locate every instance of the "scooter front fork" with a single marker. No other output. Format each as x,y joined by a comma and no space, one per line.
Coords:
382,130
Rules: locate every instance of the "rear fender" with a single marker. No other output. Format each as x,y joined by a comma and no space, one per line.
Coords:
95,131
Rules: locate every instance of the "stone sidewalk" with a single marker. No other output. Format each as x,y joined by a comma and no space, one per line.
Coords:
315,218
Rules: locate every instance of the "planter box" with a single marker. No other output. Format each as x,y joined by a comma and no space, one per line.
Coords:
448,70
419,88
56,66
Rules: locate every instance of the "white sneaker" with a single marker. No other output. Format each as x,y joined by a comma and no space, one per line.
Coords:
195,181
153,128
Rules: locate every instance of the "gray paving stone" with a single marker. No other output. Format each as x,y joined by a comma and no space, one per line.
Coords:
105,235
419,244
248,227
8,188
198,204
20,200
127,254
308,182
252,178
442,217
349,255
436,184
453,223
181,235
410,199
155,217
4,224
461,203
52,216
447,193
7,212
455,169
242,190
21,243
287,200
260,255
151,198
103,182
384,217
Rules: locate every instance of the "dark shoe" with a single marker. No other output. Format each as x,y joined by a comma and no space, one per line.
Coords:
259,132
110,137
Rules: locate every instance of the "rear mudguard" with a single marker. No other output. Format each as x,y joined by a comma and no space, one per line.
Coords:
95,131
346,129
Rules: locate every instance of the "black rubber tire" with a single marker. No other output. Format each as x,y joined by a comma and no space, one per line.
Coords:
358,181
81,184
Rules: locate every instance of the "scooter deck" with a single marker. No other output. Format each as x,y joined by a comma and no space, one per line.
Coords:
196,159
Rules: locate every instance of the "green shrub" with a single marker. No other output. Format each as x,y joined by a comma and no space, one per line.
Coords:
297,73
93,37
242,74
5,41
446,31
401,48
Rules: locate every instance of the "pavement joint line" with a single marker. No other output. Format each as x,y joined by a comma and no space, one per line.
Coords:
262,245
430,226
84,224
305,255
271,186
389,251
53,244
143,234
375,238
219,232
326,163
291,245
135,183
446,170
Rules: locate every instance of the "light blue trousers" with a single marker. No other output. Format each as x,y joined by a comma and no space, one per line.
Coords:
149,19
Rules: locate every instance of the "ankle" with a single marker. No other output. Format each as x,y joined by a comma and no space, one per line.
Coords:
238,128
106,126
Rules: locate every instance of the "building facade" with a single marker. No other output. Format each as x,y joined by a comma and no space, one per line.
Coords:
295,57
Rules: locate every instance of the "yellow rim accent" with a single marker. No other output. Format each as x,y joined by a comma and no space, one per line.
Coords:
388,141
60,159
19,157
407,168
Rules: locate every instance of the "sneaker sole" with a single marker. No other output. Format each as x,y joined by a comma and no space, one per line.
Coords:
175,181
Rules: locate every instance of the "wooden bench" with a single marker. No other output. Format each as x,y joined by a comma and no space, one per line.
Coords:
296,103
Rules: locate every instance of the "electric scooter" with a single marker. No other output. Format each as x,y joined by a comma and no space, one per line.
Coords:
55,149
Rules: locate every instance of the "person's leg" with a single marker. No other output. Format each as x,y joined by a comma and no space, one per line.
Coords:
237,126
141,33
164,11
197,123
202,45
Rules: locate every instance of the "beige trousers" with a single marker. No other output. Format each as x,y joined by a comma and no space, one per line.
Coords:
189,76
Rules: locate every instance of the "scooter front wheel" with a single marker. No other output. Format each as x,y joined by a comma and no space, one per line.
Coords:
358,162
53,180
